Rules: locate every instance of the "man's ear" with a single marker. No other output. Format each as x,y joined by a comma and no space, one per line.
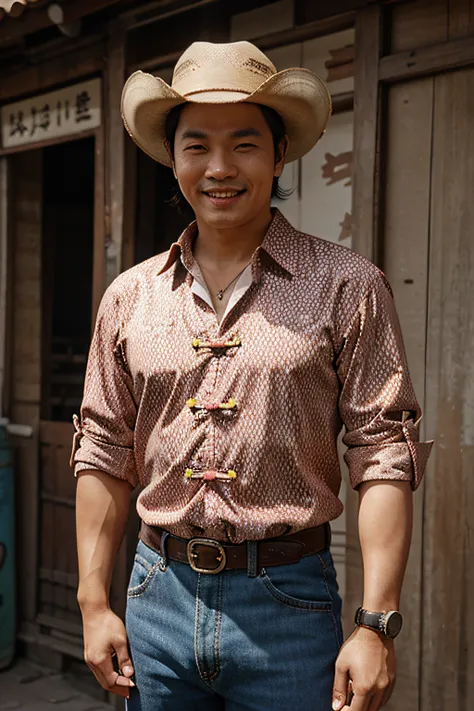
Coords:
170,154
280,157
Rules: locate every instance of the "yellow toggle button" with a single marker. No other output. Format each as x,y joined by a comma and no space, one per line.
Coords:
229,405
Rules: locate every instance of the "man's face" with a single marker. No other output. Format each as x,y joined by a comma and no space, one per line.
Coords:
225,162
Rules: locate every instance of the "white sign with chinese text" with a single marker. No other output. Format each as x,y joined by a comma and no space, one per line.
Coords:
64,112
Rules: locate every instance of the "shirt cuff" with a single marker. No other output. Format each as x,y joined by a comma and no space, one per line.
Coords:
108,458
397,461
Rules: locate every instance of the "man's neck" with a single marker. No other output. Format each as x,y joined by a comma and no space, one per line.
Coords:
221,248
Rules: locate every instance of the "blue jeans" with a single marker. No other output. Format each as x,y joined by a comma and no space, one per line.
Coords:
233,642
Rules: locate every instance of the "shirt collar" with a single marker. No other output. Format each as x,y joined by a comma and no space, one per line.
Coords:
278,243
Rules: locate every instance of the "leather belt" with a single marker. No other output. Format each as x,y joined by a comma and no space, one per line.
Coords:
209,556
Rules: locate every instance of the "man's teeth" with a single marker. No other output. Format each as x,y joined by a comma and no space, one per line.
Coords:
222,195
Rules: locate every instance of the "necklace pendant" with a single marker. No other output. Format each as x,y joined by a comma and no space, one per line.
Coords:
220,294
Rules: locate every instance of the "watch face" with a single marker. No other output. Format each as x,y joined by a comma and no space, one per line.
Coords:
393,624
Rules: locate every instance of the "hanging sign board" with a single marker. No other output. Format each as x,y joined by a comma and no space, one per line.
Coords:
64,112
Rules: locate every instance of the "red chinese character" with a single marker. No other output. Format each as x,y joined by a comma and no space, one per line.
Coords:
346,227
341,64
338,167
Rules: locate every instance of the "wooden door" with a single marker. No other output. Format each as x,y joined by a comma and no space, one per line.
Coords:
414,210
428,252
23,373
68,250
57,606
406,235
447,639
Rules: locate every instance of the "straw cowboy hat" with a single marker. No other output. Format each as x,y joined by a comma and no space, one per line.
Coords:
223,74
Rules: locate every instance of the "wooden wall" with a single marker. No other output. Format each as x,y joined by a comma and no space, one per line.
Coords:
405,261
448,560
25,363
414,124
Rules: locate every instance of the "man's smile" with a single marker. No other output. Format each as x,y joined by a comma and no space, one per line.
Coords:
223,196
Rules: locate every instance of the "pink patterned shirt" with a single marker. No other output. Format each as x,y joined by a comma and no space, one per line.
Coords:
230,429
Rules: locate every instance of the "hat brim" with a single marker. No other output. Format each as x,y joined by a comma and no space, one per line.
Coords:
298,95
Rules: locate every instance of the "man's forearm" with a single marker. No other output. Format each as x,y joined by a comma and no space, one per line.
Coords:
385,527
102,505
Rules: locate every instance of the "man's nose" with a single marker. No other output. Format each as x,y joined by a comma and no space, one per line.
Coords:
220,166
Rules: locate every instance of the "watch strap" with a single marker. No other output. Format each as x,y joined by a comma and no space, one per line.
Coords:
374,620
387,623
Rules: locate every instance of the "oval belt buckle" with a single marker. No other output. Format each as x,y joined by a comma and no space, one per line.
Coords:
193,556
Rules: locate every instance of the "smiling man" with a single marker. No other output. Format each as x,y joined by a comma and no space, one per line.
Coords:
219,378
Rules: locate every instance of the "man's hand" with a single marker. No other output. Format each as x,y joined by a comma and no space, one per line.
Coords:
104,638
367,660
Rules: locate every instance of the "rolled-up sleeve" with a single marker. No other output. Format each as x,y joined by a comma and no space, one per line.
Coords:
104,437
377,403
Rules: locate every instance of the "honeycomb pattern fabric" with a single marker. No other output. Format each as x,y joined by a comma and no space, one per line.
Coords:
230,429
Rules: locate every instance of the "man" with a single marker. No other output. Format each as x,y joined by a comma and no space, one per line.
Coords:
219,377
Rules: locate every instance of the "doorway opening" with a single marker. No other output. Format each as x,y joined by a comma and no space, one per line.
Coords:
67,229
68,235
158,221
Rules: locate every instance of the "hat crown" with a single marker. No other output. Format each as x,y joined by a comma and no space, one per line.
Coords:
235,66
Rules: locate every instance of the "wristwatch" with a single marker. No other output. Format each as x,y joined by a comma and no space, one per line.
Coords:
387,623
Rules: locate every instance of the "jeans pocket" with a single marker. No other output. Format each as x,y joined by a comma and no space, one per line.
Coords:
300,585
146,564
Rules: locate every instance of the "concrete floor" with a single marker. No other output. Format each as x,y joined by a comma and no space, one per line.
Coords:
29,687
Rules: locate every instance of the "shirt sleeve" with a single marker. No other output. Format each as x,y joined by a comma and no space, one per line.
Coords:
104,438
377,403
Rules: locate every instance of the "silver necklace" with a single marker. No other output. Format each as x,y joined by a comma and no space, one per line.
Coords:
220,294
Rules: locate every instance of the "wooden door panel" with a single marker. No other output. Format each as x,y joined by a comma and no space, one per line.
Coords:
405,250
448,590
423,224
58,607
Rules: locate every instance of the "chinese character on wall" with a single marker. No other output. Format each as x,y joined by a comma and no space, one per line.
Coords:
62,112
338,167
41,119
341,64
17,124
346,227
337,170
66,111
82,107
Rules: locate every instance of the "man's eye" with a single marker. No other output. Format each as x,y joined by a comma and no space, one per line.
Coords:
246,145
195,147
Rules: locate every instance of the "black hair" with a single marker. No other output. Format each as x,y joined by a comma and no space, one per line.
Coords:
274,123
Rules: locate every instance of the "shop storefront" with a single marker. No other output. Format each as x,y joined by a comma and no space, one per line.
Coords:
392,179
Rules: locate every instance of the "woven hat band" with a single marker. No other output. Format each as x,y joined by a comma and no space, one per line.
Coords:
227,67
218,90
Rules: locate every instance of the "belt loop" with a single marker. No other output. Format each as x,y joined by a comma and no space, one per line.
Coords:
328,535
252,559
164,563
